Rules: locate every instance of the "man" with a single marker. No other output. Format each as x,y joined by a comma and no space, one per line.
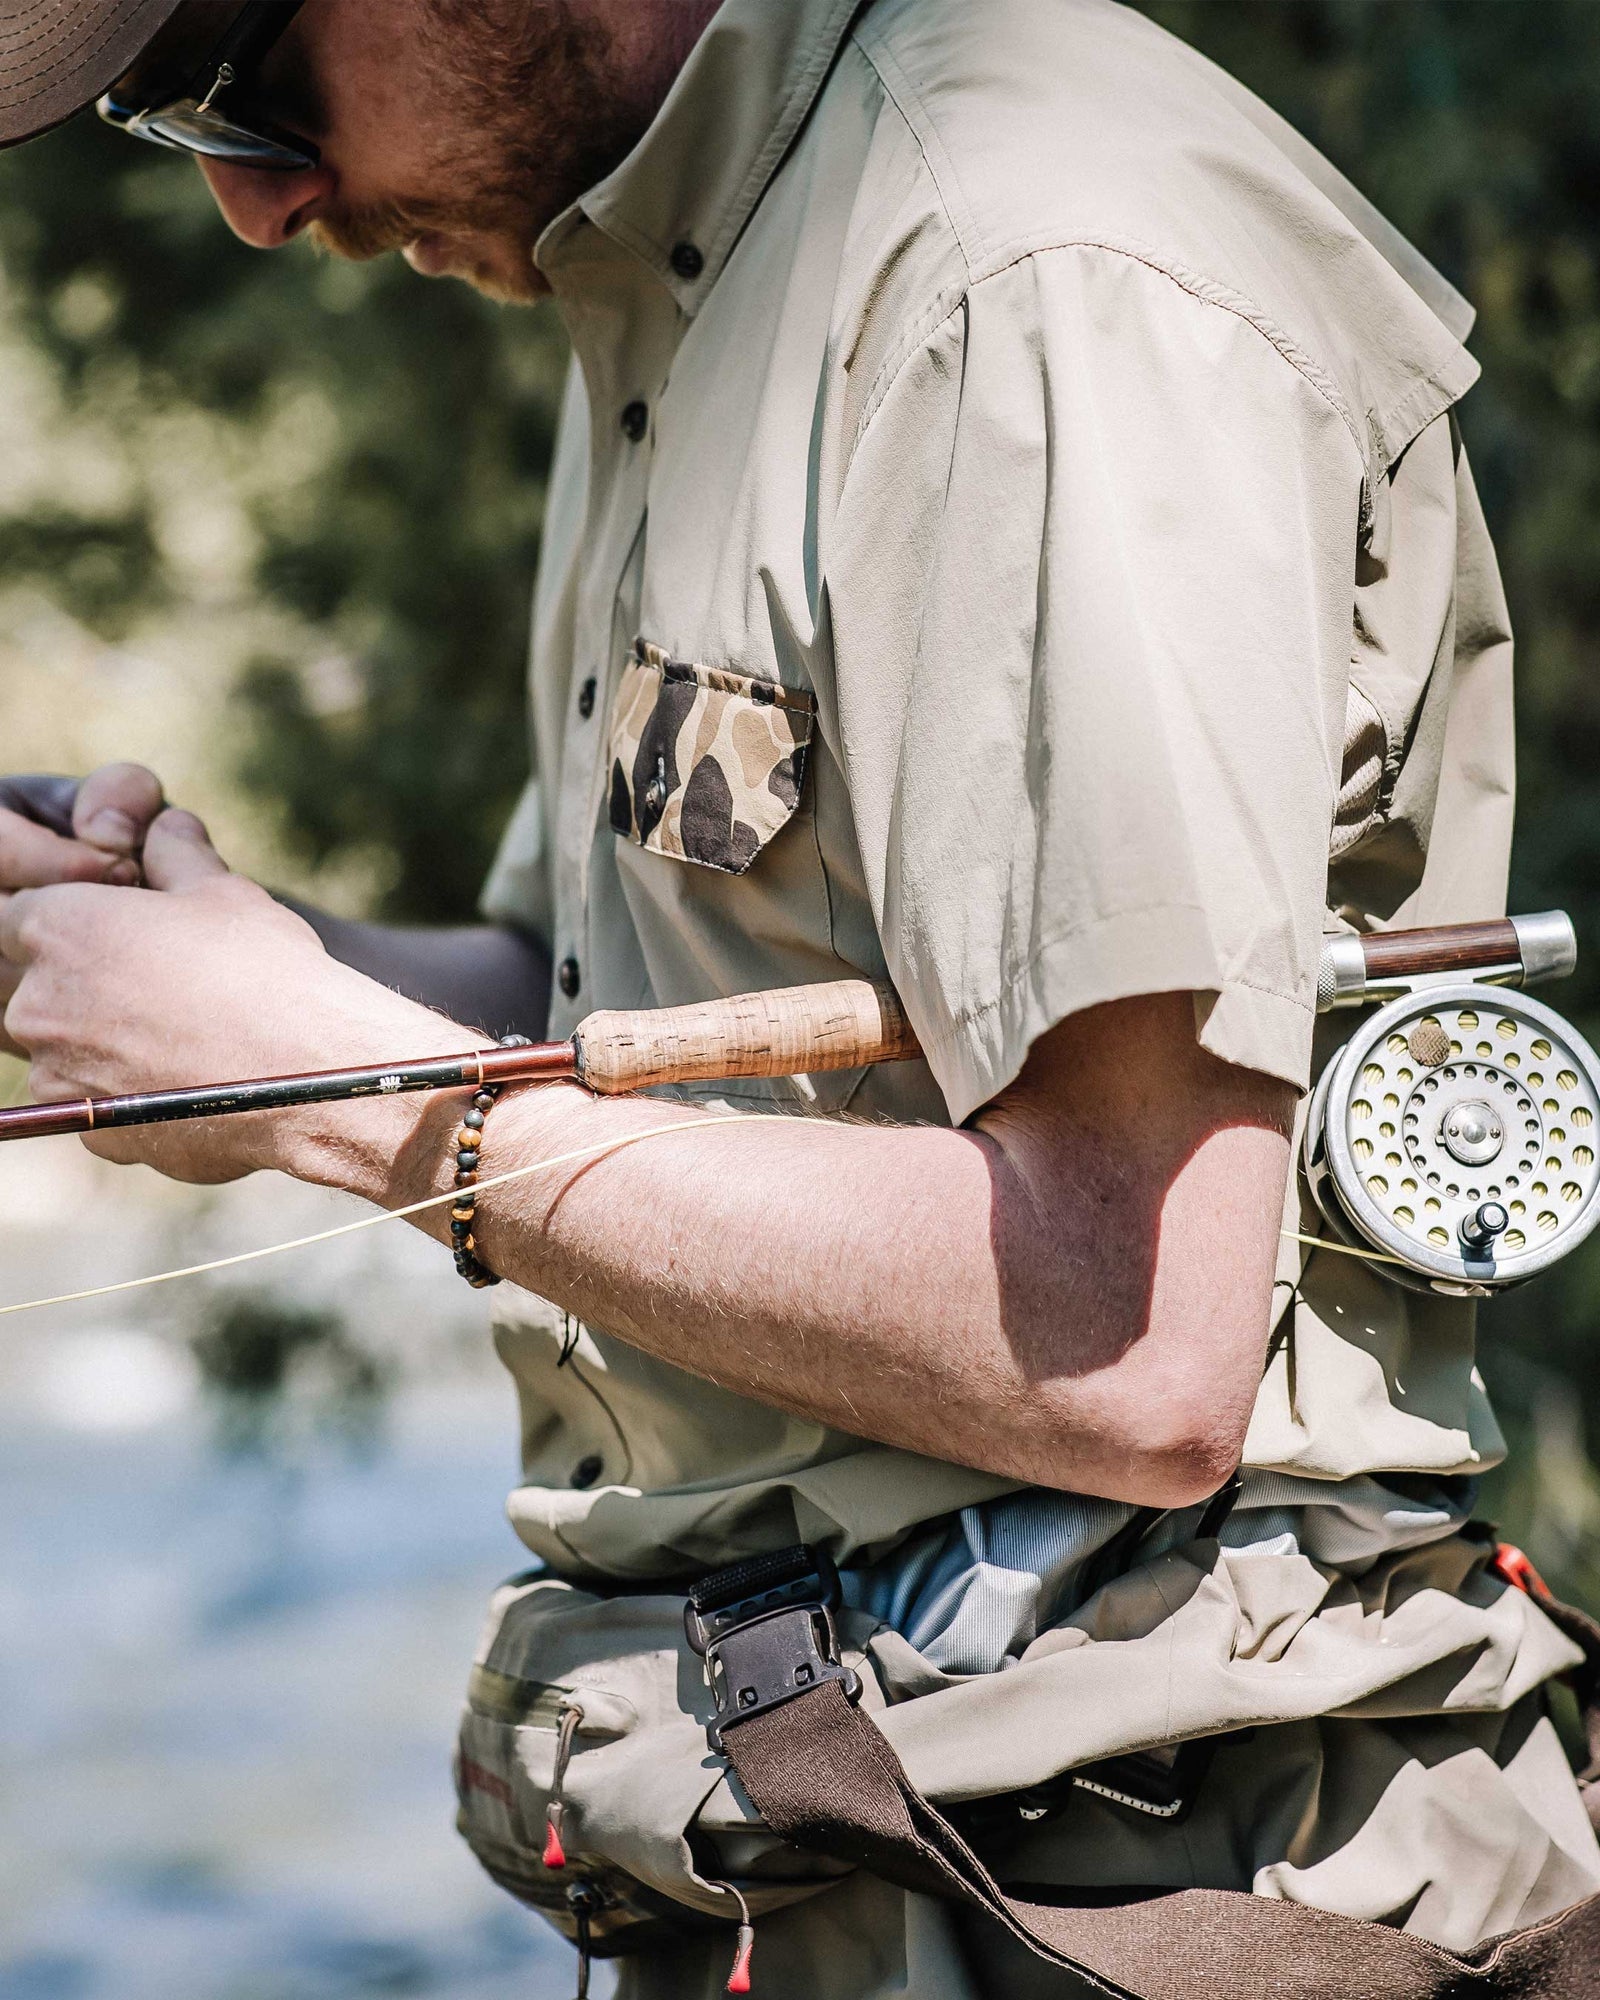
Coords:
1005,403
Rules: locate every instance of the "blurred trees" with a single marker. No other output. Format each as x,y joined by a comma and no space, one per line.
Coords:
1475,126
262,1360
400,540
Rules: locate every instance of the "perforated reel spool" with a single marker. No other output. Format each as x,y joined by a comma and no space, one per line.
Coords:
1457,1131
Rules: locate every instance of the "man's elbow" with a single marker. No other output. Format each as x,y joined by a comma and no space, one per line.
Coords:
1167,1450
1185,1466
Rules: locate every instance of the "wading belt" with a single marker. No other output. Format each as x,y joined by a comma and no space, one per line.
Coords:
823,1776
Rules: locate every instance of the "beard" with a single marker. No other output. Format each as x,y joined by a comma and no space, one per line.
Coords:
524,119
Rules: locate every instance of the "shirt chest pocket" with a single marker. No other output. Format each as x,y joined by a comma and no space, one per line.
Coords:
705,765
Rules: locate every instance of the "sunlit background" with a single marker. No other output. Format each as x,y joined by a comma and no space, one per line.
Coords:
269,525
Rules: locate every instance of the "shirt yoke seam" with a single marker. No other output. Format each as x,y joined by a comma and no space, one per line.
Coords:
901,93
1210,291
898,89
1206,290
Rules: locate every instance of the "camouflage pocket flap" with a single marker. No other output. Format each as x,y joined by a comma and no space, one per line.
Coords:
706,765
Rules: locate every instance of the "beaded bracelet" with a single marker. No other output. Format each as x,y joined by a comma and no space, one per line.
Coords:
469,1148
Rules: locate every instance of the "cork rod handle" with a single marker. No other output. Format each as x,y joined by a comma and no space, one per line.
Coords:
796,1031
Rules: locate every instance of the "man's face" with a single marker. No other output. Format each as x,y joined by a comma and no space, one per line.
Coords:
450,130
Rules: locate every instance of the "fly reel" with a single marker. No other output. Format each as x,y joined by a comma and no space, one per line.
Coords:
1456,1133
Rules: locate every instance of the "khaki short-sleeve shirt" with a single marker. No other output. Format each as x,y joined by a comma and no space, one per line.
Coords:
1008,535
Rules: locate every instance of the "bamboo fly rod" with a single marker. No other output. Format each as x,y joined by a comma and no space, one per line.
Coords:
797,1030
794,1031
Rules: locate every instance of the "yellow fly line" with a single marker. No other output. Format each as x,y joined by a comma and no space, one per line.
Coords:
1343,1249
602,1147
385,1215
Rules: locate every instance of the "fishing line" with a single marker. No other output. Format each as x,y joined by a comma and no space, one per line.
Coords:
1340,1249
604,1146
596,1151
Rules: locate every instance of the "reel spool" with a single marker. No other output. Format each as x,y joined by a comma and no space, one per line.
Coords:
1457,1132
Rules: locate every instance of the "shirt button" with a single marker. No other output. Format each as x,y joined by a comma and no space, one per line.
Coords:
569,978
635,421
586,698
587,1471
687,260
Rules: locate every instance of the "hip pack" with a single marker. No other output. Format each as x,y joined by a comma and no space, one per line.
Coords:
592,1777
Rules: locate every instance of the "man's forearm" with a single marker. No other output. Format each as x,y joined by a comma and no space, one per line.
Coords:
485,975
915,1285
1075,1294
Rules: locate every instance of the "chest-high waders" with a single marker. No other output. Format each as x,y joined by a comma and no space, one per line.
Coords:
822,1775
1477,1089
1453,1139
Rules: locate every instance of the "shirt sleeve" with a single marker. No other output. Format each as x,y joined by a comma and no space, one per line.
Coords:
1090,585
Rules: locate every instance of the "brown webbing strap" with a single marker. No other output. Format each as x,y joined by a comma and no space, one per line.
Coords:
823,1776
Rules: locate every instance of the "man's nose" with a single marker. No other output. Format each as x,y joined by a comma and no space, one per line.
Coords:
265,206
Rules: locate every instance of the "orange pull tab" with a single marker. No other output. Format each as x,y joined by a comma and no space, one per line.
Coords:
555,1855
1515,1567
739,1978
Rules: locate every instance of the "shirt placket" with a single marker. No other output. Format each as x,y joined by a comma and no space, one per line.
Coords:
625,351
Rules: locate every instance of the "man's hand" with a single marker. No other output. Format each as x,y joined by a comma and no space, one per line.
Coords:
111,810
55,830
207,981
60,830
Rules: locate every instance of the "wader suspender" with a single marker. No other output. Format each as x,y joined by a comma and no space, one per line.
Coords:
823,1776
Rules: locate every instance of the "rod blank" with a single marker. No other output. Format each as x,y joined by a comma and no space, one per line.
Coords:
845,1024
793,1031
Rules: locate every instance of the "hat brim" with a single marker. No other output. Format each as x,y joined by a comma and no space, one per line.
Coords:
56,56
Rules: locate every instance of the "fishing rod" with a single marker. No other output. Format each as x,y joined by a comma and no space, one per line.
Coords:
792,1031
1454,1137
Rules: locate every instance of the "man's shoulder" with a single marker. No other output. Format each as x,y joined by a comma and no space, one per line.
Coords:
1063,121
1079,124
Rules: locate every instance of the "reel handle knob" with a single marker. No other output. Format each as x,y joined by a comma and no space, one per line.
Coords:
1483,1228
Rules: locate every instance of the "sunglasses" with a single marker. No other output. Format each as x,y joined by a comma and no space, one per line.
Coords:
205,108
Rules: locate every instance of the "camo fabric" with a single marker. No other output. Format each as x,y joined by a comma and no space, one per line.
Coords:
706,765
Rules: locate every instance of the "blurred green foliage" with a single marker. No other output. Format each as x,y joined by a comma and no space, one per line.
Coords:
1475,126
408,549
409,546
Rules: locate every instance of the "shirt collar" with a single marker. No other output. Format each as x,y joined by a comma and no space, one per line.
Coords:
681,198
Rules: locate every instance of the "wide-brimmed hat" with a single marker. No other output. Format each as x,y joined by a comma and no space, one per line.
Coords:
56,56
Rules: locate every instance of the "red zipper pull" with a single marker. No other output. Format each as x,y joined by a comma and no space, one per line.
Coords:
739,1978
555,1813
1515,1567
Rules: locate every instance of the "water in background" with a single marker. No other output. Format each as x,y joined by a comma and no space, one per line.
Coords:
228,1683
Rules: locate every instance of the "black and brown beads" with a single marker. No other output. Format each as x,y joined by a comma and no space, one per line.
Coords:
464,1210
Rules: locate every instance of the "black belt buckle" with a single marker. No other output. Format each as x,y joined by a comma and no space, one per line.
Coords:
765,1630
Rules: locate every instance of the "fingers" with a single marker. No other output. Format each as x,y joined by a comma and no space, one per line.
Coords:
10,979
32,857
116,806
48,800
178,853
16,946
